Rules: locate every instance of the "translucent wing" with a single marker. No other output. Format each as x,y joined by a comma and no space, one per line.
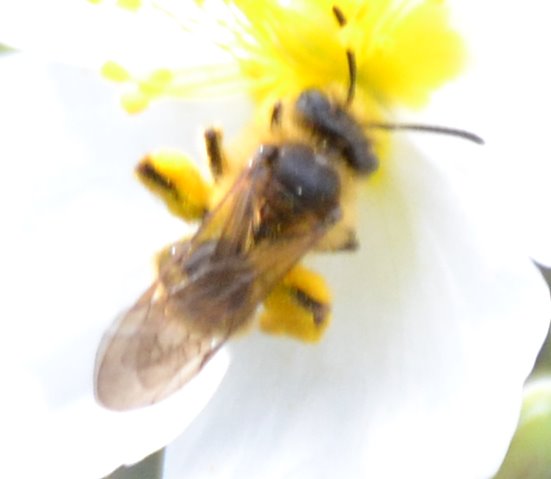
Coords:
235,218
155,347
208,288
147,354
273,259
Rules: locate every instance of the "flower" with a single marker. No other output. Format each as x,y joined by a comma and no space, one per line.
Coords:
76,229
403,49
437,321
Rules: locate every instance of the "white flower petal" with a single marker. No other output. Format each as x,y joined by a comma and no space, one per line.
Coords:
429,372
79,234
438,320
505,97
80,33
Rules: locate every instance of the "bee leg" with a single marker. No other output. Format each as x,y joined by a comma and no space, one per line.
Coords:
275,118
173,177
215,153
299,306
349,242
339,240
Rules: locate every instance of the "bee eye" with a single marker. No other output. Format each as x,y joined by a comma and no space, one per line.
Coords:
331,123
314,185
313,104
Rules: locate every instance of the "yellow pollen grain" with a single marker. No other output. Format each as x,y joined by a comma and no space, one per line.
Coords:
132,5
162,76
404,50
156,83
134,102
115,72
188,196
311,283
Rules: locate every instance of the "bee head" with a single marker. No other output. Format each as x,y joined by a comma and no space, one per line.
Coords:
335,130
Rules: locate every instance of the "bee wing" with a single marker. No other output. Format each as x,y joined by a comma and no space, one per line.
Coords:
272,260
152,350
147,354
233,219
185,317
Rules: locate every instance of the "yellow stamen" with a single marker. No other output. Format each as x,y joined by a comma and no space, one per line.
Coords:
115,72
134,102
156,83
404,49
131,5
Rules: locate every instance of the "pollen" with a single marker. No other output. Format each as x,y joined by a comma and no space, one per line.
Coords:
134,102
156,83
173,177
404,49
140,91
299,307
115,72
131,5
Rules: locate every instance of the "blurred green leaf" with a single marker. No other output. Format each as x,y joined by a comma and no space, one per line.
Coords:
529,455
149,468
543,362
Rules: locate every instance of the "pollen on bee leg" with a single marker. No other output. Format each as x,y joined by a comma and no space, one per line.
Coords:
174,178
298,307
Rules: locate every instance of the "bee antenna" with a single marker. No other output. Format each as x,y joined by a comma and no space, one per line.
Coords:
275,118
341,19
350,58
467,135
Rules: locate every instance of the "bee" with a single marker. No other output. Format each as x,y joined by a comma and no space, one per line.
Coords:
285,203
209,286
